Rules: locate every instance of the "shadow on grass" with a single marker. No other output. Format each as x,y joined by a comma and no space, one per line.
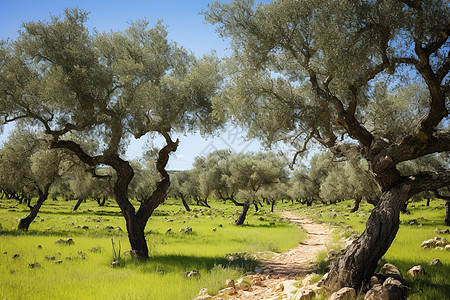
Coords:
185,263
61,233
277,224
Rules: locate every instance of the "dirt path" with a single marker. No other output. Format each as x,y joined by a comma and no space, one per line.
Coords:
281,269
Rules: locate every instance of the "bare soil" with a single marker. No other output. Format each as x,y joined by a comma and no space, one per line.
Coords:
283,268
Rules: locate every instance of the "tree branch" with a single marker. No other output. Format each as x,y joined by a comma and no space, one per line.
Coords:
149,205
78,151
428,181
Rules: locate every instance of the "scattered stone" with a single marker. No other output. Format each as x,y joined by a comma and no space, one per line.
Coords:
229,283
441,231
114,264
392,281
59,241
279,287
289,287
416,271
257,281
85,227
83,257
94,249
433,243
49,228
447,248
69,241
108,227
17,255
39,247
203,295
49,257
242,285
34,265
187,229
228,291
374,280
5,252
345,293
193,273
214,229
220,225
436,262
307,280
168,230
413,222
58,262
260,219
390,270
118,229
386,292
304,295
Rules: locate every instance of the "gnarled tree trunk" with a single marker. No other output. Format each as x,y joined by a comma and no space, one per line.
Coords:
183,200
77,205
24,223
361,258
356,206
243,215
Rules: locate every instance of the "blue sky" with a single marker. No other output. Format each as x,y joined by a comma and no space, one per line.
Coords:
185,26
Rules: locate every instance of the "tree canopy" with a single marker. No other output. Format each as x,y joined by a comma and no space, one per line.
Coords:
76,85
366,77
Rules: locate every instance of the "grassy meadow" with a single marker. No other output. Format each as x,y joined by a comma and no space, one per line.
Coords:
82,270
405,252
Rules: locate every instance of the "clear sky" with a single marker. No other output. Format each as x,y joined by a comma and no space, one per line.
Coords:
186,27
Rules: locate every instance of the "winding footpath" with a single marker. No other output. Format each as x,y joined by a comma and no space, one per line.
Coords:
280,271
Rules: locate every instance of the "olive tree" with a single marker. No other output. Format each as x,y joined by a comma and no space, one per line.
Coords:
317,72
350,180
179,187
306,181
250,173
63,79
29,165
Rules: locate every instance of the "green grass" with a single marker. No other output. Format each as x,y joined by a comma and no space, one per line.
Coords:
405,252
161,277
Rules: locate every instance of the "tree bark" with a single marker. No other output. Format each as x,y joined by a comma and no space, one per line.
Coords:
135,221
360,259
183,200
357,203
243,215
272,204
79,201
24,223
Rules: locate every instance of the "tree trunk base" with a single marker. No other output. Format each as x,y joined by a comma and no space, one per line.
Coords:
360,259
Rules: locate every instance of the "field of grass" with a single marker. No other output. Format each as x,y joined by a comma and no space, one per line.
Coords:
82,270
405,251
